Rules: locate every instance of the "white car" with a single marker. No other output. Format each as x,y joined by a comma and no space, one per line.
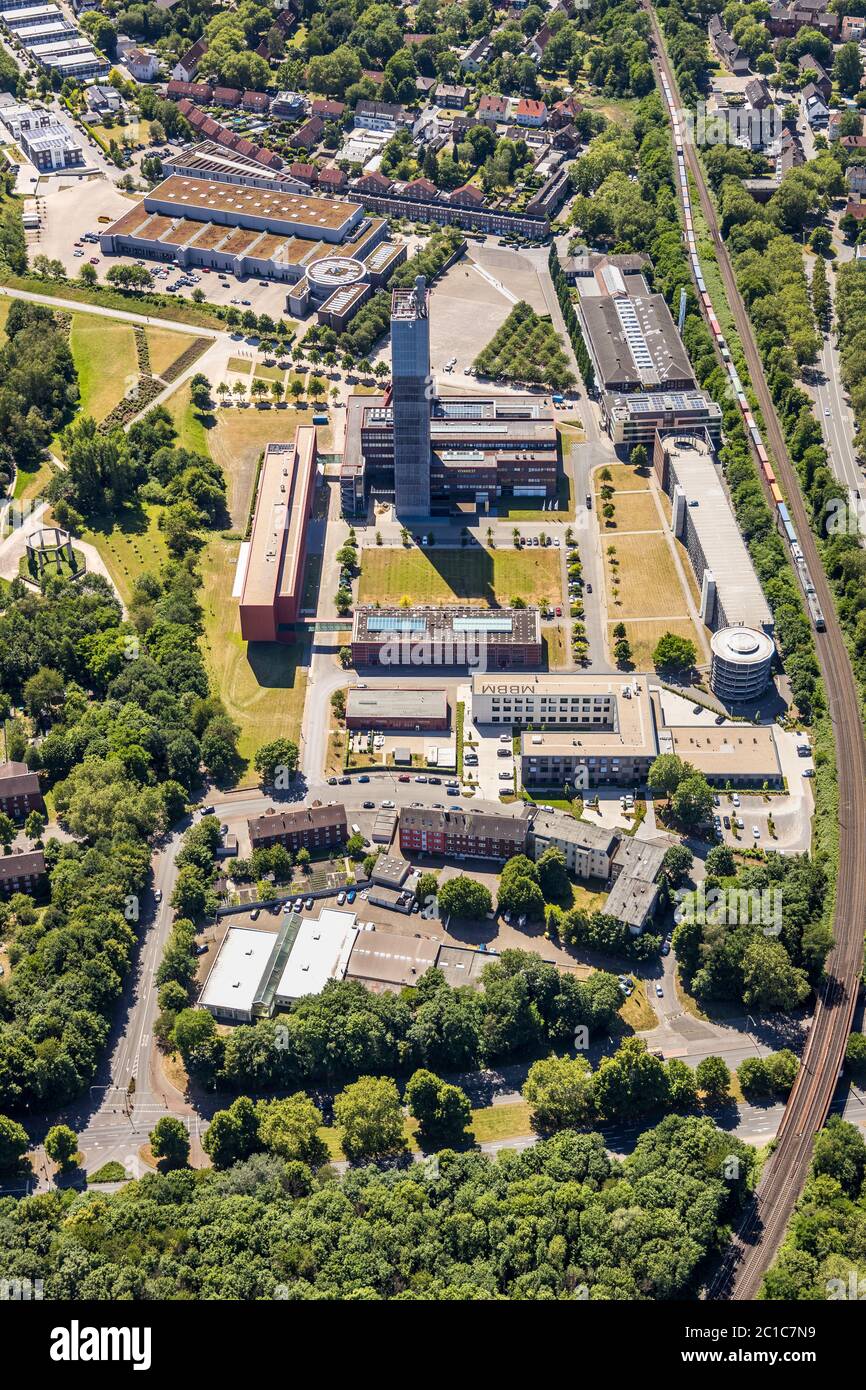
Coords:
735,800
826,410
660,994
387,805
756,832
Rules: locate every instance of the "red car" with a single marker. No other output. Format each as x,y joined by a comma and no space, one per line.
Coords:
559,612
404,777
94,260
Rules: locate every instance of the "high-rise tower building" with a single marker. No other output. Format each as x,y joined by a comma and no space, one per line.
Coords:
410,399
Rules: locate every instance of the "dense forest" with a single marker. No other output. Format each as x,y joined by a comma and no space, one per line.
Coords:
560,1220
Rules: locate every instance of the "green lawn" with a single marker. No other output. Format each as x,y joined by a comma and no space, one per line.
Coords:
105,359
192,431
469,575
262,684
129,545
165,347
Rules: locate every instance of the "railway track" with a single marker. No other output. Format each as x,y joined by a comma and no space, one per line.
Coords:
765,1220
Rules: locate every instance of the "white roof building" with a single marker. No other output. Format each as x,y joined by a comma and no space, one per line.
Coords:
236,976
320,953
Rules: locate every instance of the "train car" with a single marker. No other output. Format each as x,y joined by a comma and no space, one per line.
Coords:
815,613
750,420
756,435
776,493
762,453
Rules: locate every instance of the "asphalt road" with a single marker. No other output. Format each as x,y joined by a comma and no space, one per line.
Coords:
763,1226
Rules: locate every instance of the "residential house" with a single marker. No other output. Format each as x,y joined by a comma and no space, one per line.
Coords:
227,96
289,105
20,792
257,102
304,173
104,100
536,45
185,68
23,872
492,107
454,97
758,94
853,143
200,92
563,113
853,28
309,827
332,180
381,115
307,136
469,196
726,49
425,85
477,54
814,108
856,176
529,112
141,66
821,79
328,110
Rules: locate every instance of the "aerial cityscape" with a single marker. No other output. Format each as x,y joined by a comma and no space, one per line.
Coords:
432,658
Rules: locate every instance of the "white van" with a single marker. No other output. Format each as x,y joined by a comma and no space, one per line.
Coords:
356,830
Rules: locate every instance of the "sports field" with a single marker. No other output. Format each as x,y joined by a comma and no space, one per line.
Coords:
470,575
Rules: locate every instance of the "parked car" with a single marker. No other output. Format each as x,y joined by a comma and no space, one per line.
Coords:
369,805
207,810
404,777
157,895
341,898
308,904
351,895
387,805
660,994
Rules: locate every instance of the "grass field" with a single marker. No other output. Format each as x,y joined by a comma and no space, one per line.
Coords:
635,511
165,347
622,476
469,575
553,637
129,546
105,359
262,684
649,586
643,637
637,1012
241,365
193,429
31,483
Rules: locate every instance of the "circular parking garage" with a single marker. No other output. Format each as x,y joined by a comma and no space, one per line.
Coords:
742,660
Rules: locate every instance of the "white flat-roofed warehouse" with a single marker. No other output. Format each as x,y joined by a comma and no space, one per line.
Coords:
702,519
396,708
320,953
232,989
